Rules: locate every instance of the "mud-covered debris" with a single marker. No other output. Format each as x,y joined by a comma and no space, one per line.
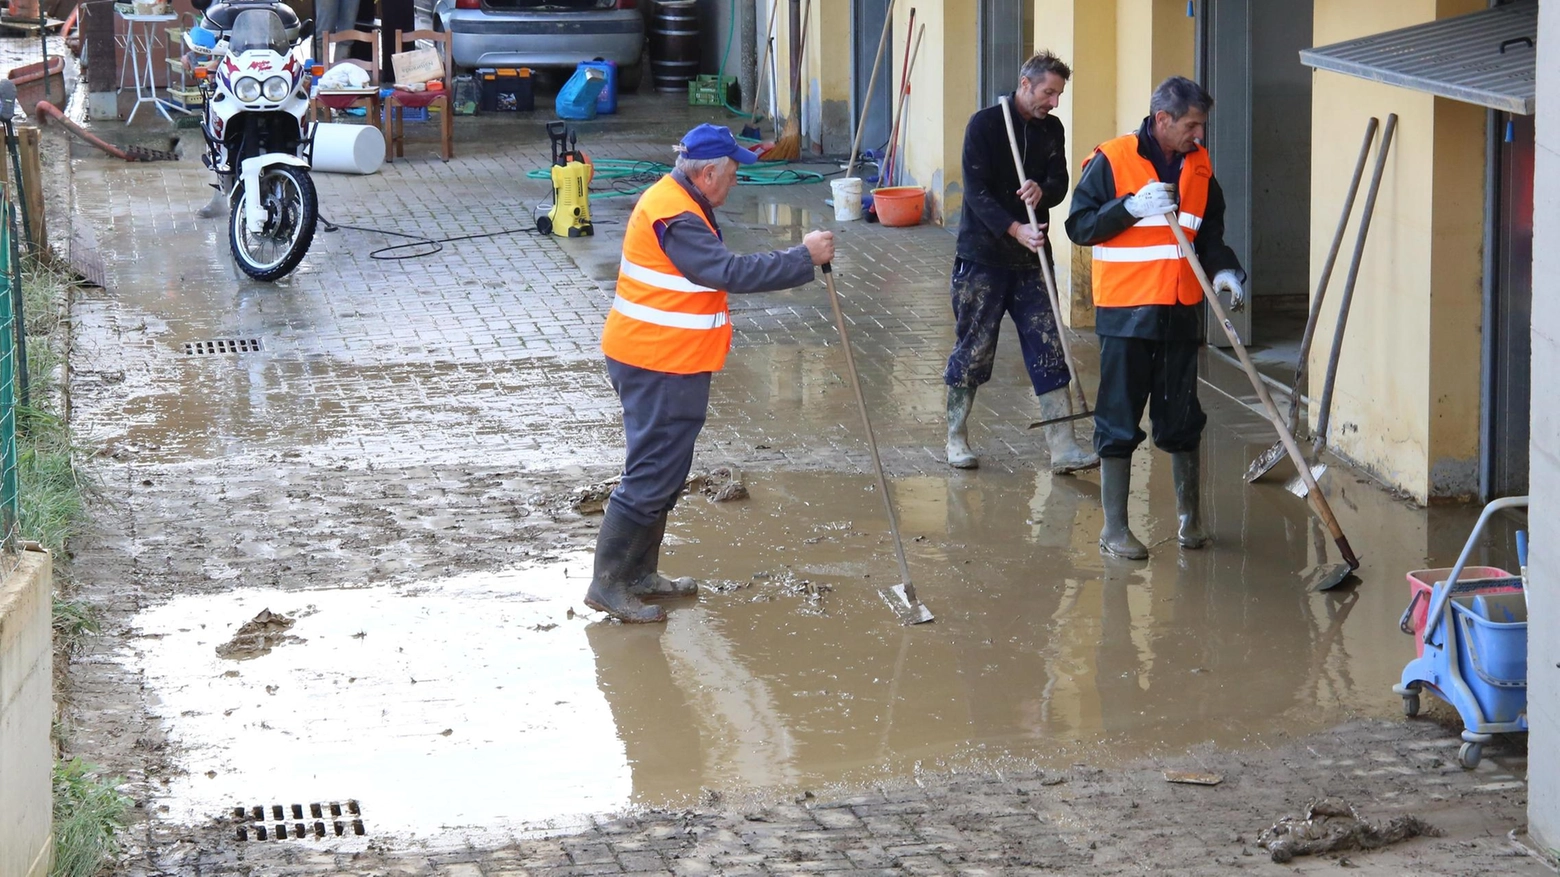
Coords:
719,485
1330,825
258,636
1191,778
592,498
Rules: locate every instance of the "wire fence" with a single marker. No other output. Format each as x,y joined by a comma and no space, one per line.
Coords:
13,372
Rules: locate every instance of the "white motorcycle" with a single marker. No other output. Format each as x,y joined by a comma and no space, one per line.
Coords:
257,142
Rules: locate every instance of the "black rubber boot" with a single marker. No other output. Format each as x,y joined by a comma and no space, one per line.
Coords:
960,401
620,547
1187,468
649,583
1115,486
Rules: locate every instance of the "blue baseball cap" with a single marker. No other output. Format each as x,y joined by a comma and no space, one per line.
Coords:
714,141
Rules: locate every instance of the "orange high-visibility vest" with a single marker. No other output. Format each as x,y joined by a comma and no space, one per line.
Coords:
1143,265
661,320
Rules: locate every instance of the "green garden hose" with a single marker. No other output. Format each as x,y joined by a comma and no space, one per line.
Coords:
632,177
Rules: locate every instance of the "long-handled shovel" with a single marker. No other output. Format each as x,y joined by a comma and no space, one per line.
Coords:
1299,487
1275,452
890,169
901,598
1050,286
866,103
1323,578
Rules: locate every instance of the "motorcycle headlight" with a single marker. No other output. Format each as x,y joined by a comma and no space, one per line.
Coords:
276,89
246,89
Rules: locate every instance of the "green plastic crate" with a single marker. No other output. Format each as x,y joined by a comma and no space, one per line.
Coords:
709,91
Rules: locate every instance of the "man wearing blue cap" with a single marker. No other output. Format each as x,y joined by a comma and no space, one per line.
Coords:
667,333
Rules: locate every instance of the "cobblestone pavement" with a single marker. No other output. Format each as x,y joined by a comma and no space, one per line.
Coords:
410,419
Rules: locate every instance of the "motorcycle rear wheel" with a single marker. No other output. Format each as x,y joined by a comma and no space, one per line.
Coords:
292,212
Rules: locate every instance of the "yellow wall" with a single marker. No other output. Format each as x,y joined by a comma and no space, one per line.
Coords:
943,91
1118,51
1407,393
826,66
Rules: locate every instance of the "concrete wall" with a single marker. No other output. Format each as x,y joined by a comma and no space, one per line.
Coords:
1406,402
26,712
1544,451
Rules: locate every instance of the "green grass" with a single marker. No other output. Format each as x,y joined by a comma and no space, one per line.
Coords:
52,496
74,621
88,811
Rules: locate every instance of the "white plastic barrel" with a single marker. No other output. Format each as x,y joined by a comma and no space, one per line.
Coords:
348,149
847,198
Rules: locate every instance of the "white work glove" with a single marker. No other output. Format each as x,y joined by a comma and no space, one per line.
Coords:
1228,281
1154,199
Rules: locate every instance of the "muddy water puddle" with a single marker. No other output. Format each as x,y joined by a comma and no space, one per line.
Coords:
481,702
467,702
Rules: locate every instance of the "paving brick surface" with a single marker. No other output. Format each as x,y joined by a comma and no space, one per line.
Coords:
424,401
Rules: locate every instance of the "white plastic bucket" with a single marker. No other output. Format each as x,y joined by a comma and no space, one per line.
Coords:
347,149
847,198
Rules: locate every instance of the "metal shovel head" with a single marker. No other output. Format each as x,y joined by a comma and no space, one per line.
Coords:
1325,578
1265,462
908,608
1296,485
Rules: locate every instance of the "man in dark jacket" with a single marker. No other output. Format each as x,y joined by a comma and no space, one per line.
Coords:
996,271
1148,303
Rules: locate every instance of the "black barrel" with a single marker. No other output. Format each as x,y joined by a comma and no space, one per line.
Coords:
674,44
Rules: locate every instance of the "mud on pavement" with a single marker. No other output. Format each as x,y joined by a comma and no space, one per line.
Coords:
395,468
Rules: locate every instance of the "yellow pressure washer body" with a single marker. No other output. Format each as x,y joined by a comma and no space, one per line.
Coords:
571,175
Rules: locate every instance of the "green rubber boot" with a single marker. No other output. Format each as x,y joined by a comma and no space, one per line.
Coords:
960,401
1115,486
1187,468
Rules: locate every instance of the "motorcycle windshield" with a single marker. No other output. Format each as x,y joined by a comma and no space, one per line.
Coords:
258,30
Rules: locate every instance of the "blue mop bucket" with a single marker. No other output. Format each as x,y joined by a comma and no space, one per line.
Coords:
1492,653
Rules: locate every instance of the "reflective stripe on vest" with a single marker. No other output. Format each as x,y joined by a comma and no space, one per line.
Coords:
670,319
1143,265
661,320
674,282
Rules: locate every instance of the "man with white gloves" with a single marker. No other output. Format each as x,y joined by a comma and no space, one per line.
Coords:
1148,303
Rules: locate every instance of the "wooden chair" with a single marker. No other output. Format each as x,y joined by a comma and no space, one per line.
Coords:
346,98
400,100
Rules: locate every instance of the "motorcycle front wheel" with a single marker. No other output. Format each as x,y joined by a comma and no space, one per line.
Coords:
291,212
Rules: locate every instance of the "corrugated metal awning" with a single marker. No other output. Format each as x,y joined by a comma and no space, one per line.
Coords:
1485,58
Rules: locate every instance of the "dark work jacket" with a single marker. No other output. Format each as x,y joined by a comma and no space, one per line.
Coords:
1098,215
991,202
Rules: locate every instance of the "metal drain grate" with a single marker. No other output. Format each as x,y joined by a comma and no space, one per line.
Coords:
279,822
222,345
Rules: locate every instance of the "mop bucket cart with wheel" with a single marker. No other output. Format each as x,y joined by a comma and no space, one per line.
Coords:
1470,626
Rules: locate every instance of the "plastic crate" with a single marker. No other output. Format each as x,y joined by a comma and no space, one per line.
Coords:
709,91
1474,580
189,98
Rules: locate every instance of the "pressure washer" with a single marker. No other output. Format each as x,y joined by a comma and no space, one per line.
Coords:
569,215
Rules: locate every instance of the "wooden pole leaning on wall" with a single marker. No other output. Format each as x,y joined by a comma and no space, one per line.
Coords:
29,142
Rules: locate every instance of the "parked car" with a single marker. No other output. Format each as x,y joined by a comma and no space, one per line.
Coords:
545,33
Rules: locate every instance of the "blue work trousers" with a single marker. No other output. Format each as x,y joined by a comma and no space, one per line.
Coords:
662,416
981,294
1160,374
